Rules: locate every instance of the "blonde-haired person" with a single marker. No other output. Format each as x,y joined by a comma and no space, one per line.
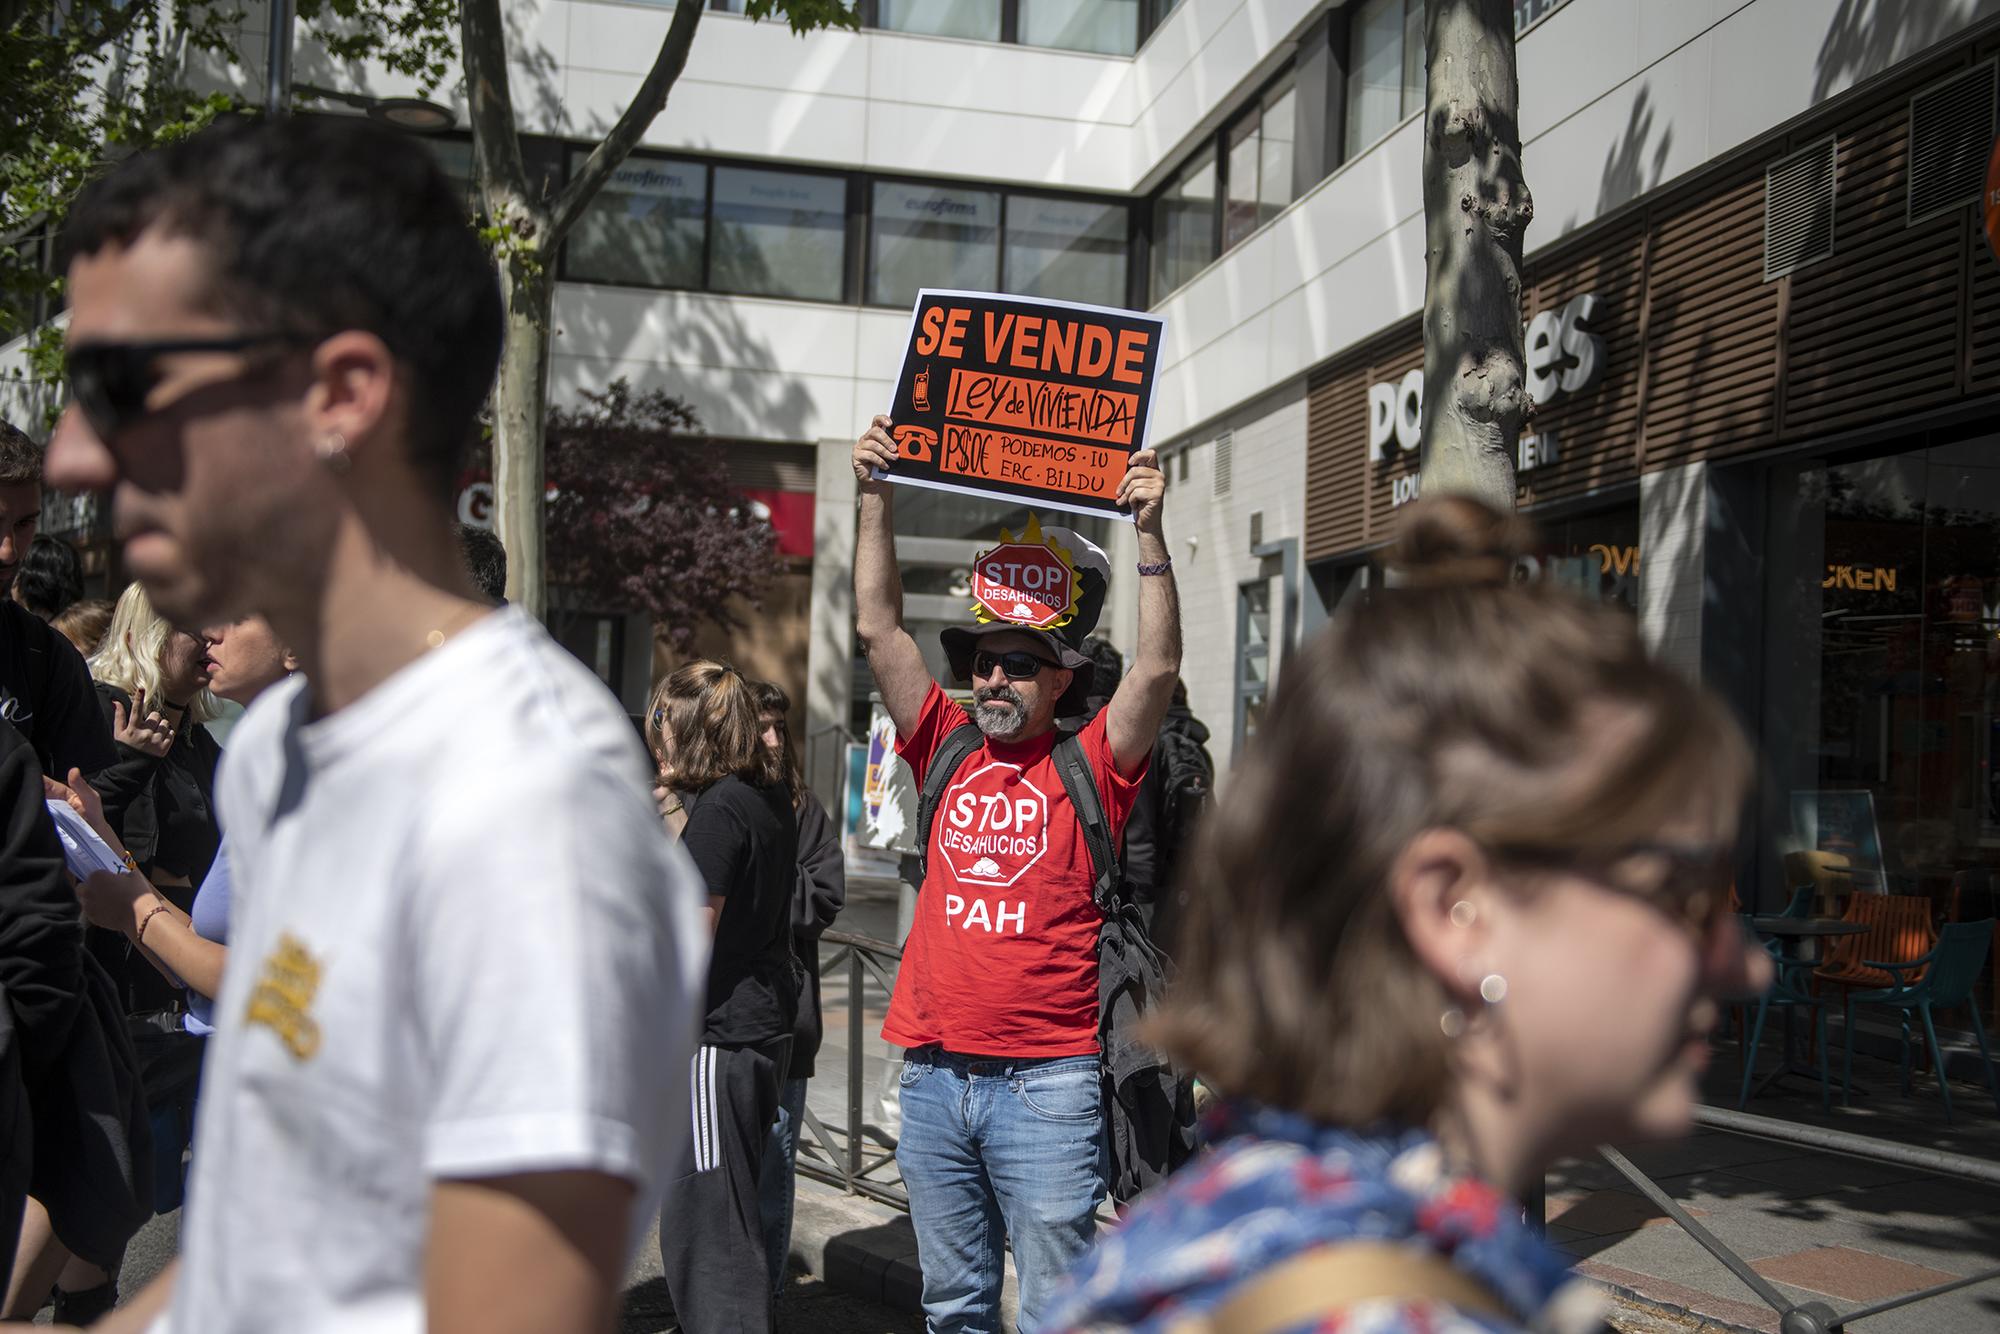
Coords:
725,797
152,683
1461,911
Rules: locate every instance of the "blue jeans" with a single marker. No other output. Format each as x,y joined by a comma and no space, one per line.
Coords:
994,1150
777,1179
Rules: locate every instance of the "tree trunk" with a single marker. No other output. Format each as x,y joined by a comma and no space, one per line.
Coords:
1476,205
520,421
530,231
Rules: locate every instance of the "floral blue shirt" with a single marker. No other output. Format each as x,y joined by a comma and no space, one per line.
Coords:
1276,1185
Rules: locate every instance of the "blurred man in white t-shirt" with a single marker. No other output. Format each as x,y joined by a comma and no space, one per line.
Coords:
450,1069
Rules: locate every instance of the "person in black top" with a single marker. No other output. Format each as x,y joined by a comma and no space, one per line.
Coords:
818,894
152,685
723,794
44,686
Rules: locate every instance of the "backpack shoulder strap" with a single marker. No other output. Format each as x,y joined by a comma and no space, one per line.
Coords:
1330,1279
1073,766
958,743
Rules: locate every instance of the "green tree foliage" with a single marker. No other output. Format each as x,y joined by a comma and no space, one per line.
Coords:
84,83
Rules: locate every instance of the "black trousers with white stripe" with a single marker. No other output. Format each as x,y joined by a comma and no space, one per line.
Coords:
711,1232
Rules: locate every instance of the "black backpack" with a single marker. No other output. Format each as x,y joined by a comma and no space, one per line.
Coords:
1187,790
1148,1107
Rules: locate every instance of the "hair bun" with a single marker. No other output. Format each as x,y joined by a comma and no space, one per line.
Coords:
1458,542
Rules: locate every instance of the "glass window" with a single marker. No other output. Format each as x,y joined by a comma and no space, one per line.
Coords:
1253,657
1882,687
455,157
1239,210
1274,173
644,227
779,234
1597,555
977,19
1377,69
1260,165
1108,27
1068,248
1413,57
931,236
1184,226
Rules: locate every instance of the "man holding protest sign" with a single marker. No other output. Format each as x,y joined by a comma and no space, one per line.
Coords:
999,999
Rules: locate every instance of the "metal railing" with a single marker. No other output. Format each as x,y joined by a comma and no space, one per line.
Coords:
1807,1317
846,1158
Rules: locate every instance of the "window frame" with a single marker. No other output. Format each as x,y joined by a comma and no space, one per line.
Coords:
869,180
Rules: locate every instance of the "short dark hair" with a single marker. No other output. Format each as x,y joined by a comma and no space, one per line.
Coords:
316,224
20,456
771,698
485,560
50,577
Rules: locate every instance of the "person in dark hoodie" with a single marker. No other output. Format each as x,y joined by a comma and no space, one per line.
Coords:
817,898
73,1131
1177,789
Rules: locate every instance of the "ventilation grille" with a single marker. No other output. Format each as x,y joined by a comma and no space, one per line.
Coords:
1225,454
1798,210
1951,136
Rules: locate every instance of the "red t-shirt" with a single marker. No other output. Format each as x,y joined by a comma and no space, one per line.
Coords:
1002,960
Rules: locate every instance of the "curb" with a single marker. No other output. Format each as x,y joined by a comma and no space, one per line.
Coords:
867,1249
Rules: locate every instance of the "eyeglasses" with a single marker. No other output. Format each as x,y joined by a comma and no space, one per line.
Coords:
1018,664
1688,883
112,381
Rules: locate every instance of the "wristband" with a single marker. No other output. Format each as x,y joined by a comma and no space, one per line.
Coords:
139,936
1157,567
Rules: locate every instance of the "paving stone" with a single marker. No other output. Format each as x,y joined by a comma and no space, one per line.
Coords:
1856,1276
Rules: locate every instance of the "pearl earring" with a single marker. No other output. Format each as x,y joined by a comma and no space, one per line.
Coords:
1493,988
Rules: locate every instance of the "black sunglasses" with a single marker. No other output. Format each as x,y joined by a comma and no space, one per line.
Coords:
111,381
1018,664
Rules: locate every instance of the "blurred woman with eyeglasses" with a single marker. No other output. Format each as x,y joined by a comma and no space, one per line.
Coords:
1460,912
725,796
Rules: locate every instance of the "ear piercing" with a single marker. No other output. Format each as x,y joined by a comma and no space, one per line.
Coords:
1463,914
332,452
1492,990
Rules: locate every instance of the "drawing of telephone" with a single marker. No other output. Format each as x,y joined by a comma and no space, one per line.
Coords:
916,443
921,398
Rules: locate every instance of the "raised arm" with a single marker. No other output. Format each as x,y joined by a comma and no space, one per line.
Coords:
1133,717
894,658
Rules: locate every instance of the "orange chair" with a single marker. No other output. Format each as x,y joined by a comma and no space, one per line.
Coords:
1899,931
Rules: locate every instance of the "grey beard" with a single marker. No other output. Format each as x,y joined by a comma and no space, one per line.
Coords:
1000,712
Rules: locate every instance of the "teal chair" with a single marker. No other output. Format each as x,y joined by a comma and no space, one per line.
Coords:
1791,987
1949,971
1800,907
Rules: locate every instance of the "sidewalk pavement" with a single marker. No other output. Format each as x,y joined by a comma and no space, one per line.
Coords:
1820,1226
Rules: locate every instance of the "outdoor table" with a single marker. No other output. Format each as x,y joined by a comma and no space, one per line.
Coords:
1801,936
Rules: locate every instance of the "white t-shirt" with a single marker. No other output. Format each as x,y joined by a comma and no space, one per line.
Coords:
462,946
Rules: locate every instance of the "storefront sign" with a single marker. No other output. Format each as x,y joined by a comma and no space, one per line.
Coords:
1565,355
1020,399
1537,451
1862,578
